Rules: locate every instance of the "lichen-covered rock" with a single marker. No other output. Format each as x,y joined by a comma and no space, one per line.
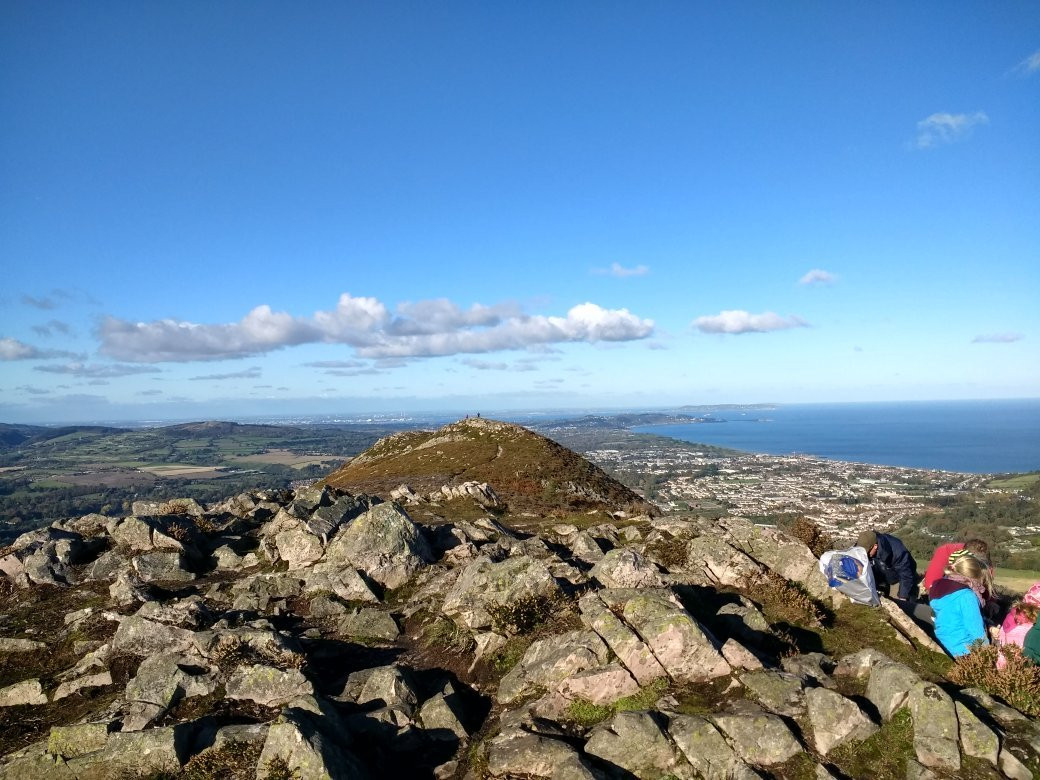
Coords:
677,641
384,543
140,636
936,731
548,662
305,751
522,754
636,742
385,684
161,681
440,719
161,566
757,737
66,689
707,750
268,685
835,719
977,739
778,692
14,645
625,567
369,623
712,562
485,585
889,686
134,754
78,740
632,651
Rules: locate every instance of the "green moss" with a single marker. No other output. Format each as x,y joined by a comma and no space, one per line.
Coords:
882,755
585,714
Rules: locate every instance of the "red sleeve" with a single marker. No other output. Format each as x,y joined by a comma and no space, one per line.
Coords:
937,565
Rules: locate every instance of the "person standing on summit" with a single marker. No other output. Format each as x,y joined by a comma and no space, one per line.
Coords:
892,563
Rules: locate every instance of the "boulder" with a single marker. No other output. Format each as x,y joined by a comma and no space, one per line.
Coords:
369,623
135,754
519,753
677,641
13,645
140,636
386,685
631,651
267,685
305,751
707,750
384,543
99,680
835,719
977,739
757,737
636,742
778,692
439,717
484,586
625,567
24,692
889,686
936,731
161,566
78,740
601,685
160,682
548,662
714,563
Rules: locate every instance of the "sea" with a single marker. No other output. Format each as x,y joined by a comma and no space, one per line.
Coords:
980,437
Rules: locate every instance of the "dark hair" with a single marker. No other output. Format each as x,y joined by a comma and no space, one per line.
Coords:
978,548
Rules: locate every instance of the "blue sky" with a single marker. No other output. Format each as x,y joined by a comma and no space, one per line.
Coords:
220,209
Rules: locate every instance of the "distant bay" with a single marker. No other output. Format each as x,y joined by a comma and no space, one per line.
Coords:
968,436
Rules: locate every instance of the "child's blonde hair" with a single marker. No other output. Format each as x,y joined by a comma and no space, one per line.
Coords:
1025,612
964,563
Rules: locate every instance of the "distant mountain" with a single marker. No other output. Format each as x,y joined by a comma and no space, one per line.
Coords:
530,473
17,435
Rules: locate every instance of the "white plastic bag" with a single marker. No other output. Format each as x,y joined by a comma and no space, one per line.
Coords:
849,572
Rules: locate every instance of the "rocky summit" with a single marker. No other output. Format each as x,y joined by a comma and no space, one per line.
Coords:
325,633
504,467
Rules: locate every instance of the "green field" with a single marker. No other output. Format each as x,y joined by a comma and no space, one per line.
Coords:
1015,580
1017,482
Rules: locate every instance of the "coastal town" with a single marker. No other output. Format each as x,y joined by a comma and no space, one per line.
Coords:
842,498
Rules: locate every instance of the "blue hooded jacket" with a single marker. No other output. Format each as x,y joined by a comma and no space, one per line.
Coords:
958,617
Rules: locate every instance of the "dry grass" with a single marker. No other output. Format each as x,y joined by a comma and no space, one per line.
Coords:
782,600
810,535
231,652
234,761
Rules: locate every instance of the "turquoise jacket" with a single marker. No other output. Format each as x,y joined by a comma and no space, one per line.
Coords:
958,618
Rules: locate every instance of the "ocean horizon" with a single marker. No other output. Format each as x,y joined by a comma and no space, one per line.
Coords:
979,437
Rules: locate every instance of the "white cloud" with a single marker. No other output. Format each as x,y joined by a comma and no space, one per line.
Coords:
1029,65
51,326
423,329
736,321
818,276
97,370
248,373
997,338
13,349
484,365
619,271
945,128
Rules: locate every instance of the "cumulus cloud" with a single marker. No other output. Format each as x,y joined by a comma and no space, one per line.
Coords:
249,373
818,276
945,128
13,349
422,329
997,338
736,321
1029,65
97,370
621,272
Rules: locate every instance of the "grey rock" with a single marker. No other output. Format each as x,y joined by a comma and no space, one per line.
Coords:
548,662
860,664
13,645
810,667
601,685
625,567
889,686
161,566
632,651
936,733
133,753
387,684
743,620
977,739
438,715
778,692
707,750
267,685
78,740
523,754
484,585
713,562
636,742
835,719
160,682
678,642
758,738
24,692
384,543
306,751
140,636
585,548
1012,766
66,689
369,623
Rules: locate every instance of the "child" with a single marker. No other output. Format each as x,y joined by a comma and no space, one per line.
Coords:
1019,620
957,599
